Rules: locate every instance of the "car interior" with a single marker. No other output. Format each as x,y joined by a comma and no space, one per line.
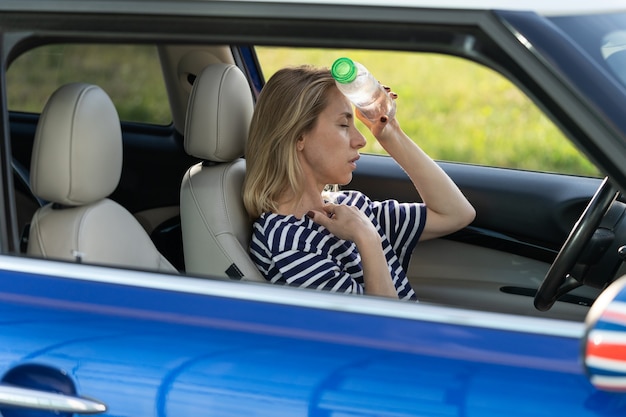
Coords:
181,182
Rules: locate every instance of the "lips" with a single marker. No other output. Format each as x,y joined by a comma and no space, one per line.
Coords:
352,162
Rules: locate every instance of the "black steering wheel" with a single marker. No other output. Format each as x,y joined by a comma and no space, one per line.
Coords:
558,281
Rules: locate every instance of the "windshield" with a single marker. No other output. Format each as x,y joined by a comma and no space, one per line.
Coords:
602,36
588,53
586,77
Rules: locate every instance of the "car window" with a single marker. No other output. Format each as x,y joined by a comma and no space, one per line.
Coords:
614,53
135,86
455,109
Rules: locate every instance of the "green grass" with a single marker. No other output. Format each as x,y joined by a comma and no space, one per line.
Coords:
130,74
455,110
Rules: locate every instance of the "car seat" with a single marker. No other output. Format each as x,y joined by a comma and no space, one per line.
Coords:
215,225
76,164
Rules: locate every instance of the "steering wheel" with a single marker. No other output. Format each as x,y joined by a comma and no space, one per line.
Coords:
558,281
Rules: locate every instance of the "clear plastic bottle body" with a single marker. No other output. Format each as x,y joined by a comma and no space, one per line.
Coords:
368,95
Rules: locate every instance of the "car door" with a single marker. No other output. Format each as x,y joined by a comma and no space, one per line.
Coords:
144,344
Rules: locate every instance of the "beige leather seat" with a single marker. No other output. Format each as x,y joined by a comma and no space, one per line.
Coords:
215,226
76,164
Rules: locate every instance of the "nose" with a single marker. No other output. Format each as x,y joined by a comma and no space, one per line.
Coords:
358,140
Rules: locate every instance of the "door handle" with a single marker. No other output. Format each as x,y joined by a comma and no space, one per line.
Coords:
33,399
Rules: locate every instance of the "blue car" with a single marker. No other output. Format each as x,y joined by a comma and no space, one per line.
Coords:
126,288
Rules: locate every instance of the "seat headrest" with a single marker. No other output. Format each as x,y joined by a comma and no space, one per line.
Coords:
218,114
77,153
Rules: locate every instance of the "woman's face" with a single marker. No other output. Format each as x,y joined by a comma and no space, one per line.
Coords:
328,153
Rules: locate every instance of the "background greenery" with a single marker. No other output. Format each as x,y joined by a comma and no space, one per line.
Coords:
456,110
130,74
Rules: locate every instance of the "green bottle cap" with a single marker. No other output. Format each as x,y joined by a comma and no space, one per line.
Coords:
344,70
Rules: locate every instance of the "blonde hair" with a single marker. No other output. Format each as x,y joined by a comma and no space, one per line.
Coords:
288,107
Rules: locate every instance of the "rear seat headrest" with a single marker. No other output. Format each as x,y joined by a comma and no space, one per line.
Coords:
77,153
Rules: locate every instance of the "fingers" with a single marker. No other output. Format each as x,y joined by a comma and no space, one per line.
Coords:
345,222
324,217
377,126
374,126
314,215
330,209
391,93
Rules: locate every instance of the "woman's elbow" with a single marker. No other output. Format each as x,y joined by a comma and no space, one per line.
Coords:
468,215
438,225
462,218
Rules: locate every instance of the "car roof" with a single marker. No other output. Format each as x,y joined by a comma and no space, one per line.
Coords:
538,6
543,7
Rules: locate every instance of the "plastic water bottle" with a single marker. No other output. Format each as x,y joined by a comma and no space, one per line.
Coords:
362,89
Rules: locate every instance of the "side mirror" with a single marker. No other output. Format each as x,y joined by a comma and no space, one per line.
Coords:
604,344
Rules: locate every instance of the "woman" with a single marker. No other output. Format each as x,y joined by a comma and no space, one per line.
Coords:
302,143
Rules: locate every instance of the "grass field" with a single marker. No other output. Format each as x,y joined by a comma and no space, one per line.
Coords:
130,74
455,110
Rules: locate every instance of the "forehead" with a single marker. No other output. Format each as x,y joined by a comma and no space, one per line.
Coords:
338,104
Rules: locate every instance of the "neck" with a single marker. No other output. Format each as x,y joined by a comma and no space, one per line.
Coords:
299,206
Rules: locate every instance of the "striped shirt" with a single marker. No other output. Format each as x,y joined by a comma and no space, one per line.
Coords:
302,253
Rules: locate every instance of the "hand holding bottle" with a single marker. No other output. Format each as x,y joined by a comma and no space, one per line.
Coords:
377,126
363,90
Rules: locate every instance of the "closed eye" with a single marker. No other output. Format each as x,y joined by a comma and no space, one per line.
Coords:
345,120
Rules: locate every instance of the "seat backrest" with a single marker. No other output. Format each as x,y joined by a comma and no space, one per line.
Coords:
76,164
215,226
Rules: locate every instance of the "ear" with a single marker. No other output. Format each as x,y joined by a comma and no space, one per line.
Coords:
300,144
